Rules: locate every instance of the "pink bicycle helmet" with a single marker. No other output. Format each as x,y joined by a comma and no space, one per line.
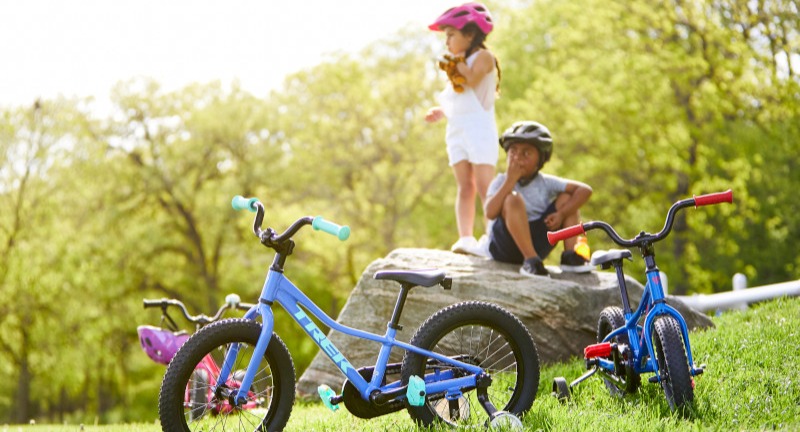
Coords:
160,344
460,16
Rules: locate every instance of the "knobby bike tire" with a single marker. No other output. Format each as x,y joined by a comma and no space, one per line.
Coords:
479,333
271,396
673,364
612,318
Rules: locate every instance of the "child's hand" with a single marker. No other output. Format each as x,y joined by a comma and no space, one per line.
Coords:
434,114
515,170
462,68
453,65
554,221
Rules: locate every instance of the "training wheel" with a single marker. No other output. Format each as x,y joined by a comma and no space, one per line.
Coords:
561,389
505,421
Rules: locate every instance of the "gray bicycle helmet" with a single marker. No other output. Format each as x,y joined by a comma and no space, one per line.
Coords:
529,132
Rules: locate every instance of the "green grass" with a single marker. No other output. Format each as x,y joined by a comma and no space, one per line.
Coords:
751,383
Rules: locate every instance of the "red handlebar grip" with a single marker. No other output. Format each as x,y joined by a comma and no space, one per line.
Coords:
714,198
554,236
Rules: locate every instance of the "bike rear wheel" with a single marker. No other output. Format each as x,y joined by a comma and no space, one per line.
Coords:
612,318
269,401
488,336
673,364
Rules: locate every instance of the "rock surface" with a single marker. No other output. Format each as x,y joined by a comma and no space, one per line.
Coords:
561,313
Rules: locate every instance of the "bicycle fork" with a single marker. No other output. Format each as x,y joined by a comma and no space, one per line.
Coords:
238,397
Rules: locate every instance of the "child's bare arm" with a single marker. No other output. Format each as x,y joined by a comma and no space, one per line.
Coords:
494,203
484,64
578,193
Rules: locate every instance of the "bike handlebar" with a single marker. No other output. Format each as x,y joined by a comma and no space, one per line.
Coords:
702,200
269,237
201,319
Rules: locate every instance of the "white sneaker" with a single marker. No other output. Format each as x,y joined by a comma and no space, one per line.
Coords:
464,245
470,246
483,246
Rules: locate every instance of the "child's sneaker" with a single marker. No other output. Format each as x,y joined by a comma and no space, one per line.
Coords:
483,247
571,262
469,246
465,245
534,267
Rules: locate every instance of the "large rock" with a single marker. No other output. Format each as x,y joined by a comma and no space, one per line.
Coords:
561,313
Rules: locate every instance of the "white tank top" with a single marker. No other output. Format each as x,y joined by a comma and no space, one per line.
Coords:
482,95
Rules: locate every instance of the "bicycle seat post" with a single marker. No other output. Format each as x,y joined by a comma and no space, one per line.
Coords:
398,307
623,288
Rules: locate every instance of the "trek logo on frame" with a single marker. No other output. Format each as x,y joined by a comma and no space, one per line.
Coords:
323,341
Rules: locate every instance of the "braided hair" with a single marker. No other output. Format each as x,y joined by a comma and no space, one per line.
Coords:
478,42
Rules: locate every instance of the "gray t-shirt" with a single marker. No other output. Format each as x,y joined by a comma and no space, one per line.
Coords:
537,194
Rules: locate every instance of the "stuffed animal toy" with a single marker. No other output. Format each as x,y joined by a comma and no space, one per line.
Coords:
448,64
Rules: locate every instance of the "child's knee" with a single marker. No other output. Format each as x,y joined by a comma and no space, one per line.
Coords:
513,203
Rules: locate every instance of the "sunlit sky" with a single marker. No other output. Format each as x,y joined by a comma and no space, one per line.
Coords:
83,47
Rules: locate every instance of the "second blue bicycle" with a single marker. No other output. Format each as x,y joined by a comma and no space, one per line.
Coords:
651,339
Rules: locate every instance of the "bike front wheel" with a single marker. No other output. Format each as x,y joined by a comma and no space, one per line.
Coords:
673,364
482,334
269,399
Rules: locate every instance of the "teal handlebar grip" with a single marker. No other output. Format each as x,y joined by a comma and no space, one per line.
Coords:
241,203
320,224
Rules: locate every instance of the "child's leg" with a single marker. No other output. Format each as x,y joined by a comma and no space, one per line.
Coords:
569,220
483,173
516,219
465,198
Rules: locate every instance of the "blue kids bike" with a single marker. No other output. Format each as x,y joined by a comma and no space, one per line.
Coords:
652,339
469,363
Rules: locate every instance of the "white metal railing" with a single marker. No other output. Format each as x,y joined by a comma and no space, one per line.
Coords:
741,295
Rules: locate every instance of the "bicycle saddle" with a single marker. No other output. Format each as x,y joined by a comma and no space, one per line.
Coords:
425,278
604,258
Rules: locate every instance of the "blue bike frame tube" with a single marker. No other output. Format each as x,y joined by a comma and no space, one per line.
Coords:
291,298
258,352
383,359
268,322
654,282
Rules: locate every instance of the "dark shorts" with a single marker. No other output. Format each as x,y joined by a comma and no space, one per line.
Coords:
503,247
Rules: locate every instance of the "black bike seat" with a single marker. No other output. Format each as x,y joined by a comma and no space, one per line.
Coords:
603,257
425,278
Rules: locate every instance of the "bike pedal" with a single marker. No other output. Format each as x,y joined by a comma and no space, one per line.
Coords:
597,350
654,379
415,394
327,395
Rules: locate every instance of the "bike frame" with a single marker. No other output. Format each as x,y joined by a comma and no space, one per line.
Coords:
279,288
651,306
